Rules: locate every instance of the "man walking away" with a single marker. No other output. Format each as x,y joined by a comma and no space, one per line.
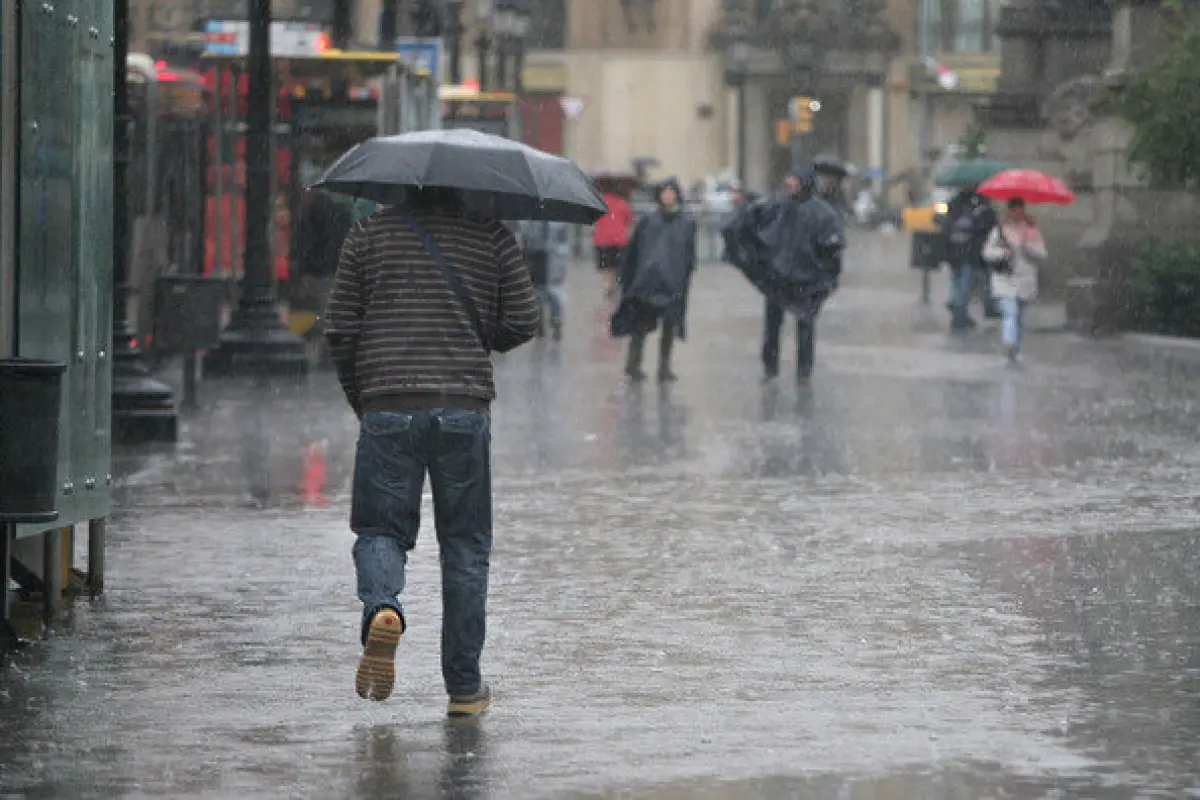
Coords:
423,294
655,281
968,221
805,238
547,248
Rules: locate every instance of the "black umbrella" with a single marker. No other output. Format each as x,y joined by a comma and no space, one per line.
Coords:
828,165
498,177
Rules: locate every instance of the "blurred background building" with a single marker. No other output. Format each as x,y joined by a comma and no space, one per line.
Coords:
607,81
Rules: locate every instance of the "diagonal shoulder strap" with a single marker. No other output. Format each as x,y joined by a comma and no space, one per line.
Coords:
451,277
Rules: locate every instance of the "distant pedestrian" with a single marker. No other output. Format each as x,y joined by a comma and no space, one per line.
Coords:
547,248
423,294
804,239
1014,249
966,225
610,237
655,281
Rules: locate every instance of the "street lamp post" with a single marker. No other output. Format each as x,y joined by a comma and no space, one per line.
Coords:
502,48
388,21
256,341
511,23
521,24
483,44
143,408
741,60
454,32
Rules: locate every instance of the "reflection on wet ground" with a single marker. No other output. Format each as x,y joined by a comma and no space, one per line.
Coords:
921,576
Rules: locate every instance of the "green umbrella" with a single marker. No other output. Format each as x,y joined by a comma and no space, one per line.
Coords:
969,174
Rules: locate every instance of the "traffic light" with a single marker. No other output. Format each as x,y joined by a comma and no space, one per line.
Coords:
802,110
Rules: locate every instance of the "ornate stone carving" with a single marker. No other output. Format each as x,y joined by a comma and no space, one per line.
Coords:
798,29
640,14
1069,113
866,27
804,31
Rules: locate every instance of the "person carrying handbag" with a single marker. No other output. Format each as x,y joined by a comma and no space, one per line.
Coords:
1014,250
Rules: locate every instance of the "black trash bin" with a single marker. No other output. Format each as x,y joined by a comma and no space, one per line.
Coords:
30,397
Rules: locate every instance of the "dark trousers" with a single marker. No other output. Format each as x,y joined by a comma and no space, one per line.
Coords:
395,450
806,341
637,346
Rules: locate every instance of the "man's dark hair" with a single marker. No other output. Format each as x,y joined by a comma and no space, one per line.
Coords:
1016,202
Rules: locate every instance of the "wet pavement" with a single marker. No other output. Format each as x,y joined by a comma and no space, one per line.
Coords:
922,576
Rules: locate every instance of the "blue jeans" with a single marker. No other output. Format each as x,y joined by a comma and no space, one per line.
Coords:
1012,311
962,283
395,450
551,297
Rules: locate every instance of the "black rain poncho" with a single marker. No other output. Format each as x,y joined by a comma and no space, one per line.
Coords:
657,275
790,249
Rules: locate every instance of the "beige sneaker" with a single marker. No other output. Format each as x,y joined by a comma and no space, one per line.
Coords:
377,668
470,705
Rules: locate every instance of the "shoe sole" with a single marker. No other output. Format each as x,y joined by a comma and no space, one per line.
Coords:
376,674
468,708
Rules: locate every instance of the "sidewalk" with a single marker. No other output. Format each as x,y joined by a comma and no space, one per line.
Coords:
872,584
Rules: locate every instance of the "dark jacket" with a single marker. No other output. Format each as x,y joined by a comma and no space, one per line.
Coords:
806,237
959,249
396,328
793,248
657,274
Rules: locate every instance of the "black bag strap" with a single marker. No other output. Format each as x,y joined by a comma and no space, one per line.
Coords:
451,277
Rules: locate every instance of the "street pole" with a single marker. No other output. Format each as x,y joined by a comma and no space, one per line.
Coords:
741,128
256,341
143,409
502,62
482,45
341,28
454,32
388,21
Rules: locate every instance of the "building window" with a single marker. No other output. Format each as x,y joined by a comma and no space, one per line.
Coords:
958,26
547,24
970,28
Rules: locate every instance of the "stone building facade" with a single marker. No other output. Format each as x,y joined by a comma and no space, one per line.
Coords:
1059,59
654,76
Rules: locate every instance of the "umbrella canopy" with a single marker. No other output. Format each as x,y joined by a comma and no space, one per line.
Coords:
969,174
498,177
615,178
828,165
1029,185
613,174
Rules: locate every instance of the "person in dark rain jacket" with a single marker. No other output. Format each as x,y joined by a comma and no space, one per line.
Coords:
655,280
802,239
965,229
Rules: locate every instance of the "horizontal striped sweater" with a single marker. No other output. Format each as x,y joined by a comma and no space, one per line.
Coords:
394,325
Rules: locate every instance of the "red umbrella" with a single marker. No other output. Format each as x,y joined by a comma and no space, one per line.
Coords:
1030,185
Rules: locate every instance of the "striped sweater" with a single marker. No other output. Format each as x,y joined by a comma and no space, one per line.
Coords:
395,326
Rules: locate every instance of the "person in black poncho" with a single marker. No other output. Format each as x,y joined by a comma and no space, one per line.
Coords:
655,280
